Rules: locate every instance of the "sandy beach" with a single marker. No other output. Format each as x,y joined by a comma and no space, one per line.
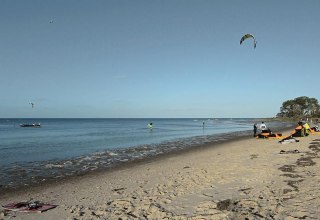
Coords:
243,179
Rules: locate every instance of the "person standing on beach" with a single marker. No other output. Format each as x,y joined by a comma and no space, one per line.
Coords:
255,129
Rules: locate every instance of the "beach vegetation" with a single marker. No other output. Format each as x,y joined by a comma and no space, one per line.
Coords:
300,107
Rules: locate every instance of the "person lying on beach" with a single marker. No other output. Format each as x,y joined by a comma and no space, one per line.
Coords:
288,140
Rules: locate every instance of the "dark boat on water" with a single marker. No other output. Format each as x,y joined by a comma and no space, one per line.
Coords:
31,125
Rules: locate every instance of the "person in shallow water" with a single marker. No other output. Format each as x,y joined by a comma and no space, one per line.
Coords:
150,125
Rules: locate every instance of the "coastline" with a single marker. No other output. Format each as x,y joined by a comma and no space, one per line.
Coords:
221,181
126,165
55,152
26,175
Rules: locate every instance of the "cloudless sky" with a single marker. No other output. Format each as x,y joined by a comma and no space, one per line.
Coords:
159,58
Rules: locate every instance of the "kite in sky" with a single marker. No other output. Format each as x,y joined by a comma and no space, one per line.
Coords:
247,36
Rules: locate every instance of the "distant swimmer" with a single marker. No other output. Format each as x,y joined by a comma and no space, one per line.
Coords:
150,125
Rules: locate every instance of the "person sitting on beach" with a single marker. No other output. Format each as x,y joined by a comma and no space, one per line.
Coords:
307,127
299,131
263,128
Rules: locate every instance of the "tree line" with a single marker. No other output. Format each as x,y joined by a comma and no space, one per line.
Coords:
300,107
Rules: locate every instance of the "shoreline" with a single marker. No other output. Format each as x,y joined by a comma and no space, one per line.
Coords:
121,166
60,170
207,183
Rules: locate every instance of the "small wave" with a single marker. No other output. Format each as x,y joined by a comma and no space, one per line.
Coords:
50,166
68,163
112,154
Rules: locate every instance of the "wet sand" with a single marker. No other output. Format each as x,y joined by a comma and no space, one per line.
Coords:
247,178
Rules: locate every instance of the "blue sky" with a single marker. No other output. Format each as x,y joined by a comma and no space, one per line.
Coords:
159,58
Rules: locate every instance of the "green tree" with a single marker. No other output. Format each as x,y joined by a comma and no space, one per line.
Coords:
300,107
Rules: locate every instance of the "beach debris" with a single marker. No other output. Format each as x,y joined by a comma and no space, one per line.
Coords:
28,207
118,189
253,156
224,204
290,151
247,36
245,190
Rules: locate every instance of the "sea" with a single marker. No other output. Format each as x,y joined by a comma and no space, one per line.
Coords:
61,148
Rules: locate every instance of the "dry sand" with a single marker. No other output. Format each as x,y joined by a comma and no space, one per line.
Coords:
244,179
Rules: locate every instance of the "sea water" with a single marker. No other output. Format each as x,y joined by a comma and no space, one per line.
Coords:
67,147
